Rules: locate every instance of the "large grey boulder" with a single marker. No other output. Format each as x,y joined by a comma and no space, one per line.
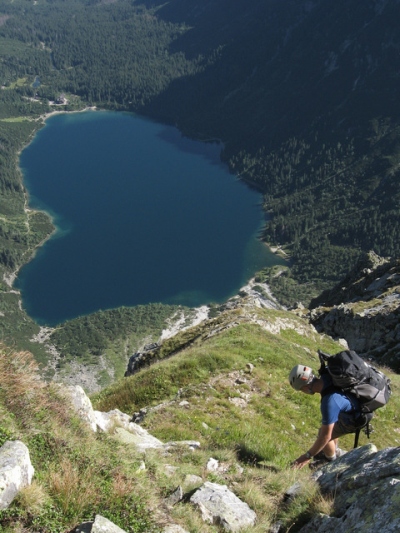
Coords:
16,471
119,423
218,505
126,431
365,484
115,421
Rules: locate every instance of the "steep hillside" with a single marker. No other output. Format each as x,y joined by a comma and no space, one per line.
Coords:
225,393
286,68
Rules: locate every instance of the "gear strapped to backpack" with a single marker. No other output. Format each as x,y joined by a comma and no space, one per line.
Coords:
353,375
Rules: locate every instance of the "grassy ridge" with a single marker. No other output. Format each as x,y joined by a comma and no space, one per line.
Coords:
192,371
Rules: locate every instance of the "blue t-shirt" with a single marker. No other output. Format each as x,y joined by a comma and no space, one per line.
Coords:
335,403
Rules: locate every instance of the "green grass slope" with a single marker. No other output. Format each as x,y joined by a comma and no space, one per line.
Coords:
206,392
247,417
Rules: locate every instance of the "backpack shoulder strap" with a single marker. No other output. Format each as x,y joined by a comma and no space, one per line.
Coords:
330,389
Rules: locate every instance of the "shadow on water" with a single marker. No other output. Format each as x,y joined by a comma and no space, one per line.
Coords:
209,150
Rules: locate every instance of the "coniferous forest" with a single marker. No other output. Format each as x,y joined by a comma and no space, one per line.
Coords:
303,96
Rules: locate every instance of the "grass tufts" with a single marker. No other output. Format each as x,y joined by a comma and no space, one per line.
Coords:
33,498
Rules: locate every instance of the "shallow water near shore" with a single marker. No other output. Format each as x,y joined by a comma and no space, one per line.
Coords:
143,215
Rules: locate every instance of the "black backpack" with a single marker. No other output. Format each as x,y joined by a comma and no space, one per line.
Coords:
353,375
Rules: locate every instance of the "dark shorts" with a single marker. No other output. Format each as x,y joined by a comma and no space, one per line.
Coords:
349,423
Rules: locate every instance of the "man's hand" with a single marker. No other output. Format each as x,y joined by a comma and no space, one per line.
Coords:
301,461
324,436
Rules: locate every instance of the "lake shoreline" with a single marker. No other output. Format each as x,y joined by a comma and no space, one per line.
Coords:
10,278
46,116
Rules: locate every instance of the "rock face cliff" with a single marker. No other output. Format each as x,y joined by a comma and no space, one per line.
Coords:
364,309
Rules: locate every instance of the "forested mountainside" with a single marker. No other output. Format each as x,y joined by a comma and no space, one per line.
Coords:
302,94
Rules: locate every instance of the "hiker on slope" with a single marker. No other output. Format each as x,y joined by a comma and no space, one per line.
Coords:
341,414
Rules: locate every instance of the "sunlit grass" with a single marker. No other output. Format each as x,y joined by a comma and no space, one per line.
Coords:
15,119
20,82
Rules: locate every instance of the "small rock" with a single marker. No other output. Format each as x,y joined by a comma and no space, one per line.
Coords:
239,402
141,467
276,527
170,470
292,492
218,505
174,497
103,525
174,528
212,465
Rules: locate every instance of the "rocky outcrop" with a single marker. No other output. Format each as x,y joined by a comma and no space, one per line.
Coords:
118,423
140,359
358,282
364,309
16,471
365,484
81,403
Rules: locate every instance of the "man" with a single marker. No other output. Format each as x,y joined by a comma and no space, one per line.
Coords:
341,414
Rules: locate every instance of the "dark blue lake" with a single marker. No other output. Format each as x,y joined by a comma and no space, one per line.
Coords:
142,214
